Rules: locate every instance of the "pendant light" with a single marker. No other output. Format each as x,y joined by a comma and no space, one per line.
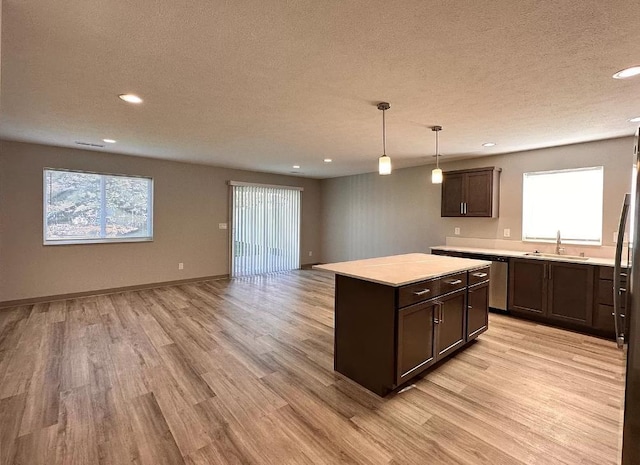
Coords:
436,174
384,162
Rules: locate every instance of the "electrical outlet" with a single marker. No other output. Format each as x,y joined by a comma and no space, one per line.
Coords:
507,232
181,266
310,253
222,225
615,237
456,231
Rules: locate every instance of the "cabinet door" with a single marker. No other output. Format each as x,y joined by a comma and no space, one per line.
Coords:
415,340
603,318
570,292
478,193
477,310
451,323
527,286
452,194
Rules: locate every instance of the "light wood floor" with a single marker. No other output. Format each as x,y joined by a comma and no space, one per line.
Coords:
241,372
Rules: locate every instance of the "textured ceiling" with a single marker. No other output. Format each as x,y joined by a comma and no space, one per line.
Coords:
266,84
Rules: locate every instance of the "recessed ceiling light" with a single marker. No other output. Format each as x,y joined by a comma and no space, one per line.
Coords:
130,98
296,167
489,144
109,141
627,73
635,120
328,160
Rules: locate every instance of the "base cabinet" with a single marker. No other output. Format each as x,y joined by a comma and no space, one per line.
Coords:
570,292
603,316
386,335
554,290
477,314
433,329
429,331
450,323
416,339
527,286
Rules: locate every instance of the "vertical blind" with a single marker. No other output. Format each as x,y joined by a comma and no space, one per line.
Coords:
265,228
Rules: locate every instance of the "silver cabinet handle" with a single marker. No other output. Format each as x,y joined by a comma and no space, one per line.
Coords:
422,292
441,312
465,208
436,313
454,282
479,275
461,208
622,289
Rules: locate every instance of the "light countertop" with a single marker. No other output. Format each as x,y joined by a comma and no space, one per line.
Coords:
521,254
398,270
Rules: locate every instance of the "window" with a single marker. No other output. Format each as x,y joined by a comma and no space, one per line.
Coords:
569,201
82,207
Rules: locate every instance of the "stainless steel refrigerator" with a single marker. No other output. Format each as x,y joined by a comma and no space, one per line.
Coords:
627,278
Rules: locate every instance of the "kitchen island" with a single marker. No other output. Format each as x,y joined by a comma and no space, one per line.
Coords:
397,316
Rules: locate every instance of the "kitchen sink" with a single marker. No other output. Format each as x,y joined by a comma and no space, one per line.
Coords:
556,256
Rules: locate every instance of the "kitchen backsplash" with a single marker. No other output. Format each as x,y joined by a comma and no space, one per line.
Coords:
501,244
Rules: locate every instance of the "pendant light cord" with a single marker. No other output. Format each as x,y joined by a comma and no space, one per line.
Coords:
437,150
384,135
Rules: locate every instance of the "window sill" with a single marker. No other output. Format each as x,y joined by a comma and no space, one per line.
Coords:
96,241
564,242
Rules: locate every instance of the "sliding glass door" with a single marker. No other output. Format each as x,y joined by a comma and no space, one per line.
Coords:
265,228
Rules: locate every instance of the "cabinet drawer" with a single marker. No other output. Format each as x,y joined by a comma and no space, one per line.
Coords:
414,293
479,275
606,272
453,282
603,318
605,292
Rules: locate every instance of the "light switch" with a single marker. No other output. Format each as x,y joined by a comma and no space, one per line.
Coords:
507,232
222,225
456,231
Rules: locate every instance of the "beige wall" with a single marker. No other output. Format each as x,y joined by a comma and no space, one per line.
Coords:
189,202
370,215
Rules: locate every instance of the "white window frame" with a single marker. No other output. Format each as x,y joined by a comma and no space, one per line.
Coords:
105,240
567,240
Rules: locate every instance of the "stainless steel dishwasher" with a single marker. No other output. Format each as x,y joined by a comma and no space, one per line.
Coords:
499,282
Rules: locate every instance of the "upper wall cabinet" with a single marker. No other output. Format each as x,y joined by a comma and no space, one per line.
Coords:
471,193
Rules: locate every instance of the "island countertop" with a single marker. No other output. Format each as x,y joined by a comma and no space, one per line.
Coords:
399,270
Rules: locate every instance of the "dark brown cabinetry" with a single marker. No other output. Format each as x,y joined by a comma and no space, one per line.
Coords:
385,335
553,290
416,341
477,305
570,292
432,329
450,323
527,286
603,311
473,193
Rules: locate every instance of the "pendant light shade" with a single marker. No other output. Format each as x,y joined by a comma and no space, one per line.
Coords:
384,165
436,176
384,162
436,173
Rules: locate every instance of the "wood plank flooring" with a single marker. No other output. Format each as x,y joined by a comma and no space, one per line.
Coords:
241,372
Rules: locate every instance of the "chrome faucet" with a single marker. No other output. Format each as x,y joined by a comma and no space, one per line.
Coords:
559,249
